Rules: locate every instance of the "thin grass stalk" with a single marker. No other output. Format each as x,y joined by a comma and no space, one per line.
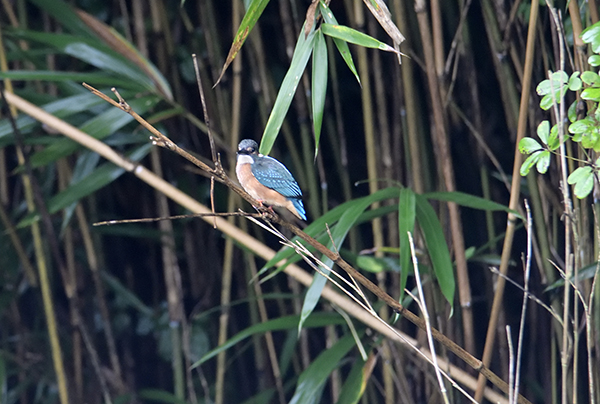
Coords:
57,359
514,196
259,351
76,351
511,366
171,271
211,32
506,81
337,138
9,229
353,288
4,196
301,105
233,199
189,203
92,260
373,156
264,317
444,163
560,113
172,277
139,28
437,36
423,306
541,227
413,136
524,305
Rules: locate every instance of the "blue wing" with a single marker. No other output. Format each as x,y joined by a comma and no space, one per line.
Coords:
272,174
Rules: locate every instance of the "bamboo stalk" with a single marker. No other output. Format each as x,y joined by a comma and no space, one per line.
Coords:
514,197
444,163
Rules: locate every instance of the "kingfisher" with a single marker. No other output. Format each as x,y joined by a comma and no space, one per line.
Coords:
267,180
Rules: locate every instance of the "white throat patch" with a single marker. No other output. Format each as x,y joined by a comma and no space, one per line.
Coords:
244,159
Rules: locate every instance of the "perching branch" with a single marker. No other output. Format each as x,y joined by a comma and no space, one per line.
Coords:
267,214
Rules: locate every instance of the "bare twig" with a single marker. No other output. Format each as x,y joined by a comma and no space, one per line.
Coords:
157,219
511,366
524,306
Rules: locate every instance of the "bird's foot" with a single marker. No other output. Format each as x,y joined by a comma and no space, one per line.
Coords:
262,206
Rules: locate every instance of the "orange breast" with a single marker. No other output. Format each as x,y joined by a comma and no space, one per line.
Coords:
259,192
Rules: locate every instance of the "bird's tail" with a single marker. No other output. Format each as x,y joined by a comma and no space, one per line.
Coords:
299,208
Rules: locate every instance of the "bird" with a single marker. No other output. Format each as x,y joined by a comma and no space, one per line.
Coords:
267,180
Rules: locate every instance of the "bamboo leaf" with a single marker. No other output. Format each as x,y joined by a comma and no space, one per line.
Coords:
97,78
161,396
281,323
98,127
469,201
342,46
116,42
355,384
250,18
286,92
338,235
98,179
312,380
406,223
355,37
437,247
66,15
319,85
380,11
93,52
317,228
62,108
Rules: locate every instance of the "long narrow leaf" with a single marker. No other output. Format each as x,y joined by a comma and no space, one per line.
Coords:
355,37
406,223
437,247
93,52
355,384
252,14
62,108
338,234
281,323
98,78
302,53
98,127
311,381
341,45
319,85
470,201
101,177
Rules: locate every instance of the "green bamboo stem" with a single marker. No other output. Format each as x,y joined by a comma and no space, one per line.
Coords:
514,197
414,135
44,278
443,159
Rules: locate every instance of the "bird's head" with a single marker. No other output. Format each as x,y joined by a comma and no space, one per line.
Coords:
248,147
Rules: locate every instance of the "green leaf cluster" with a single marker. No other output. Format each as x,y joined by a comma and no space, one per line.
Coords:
584,131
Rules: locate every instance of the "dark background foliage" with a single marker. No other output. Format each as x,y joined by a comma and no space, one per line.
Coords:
136,305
